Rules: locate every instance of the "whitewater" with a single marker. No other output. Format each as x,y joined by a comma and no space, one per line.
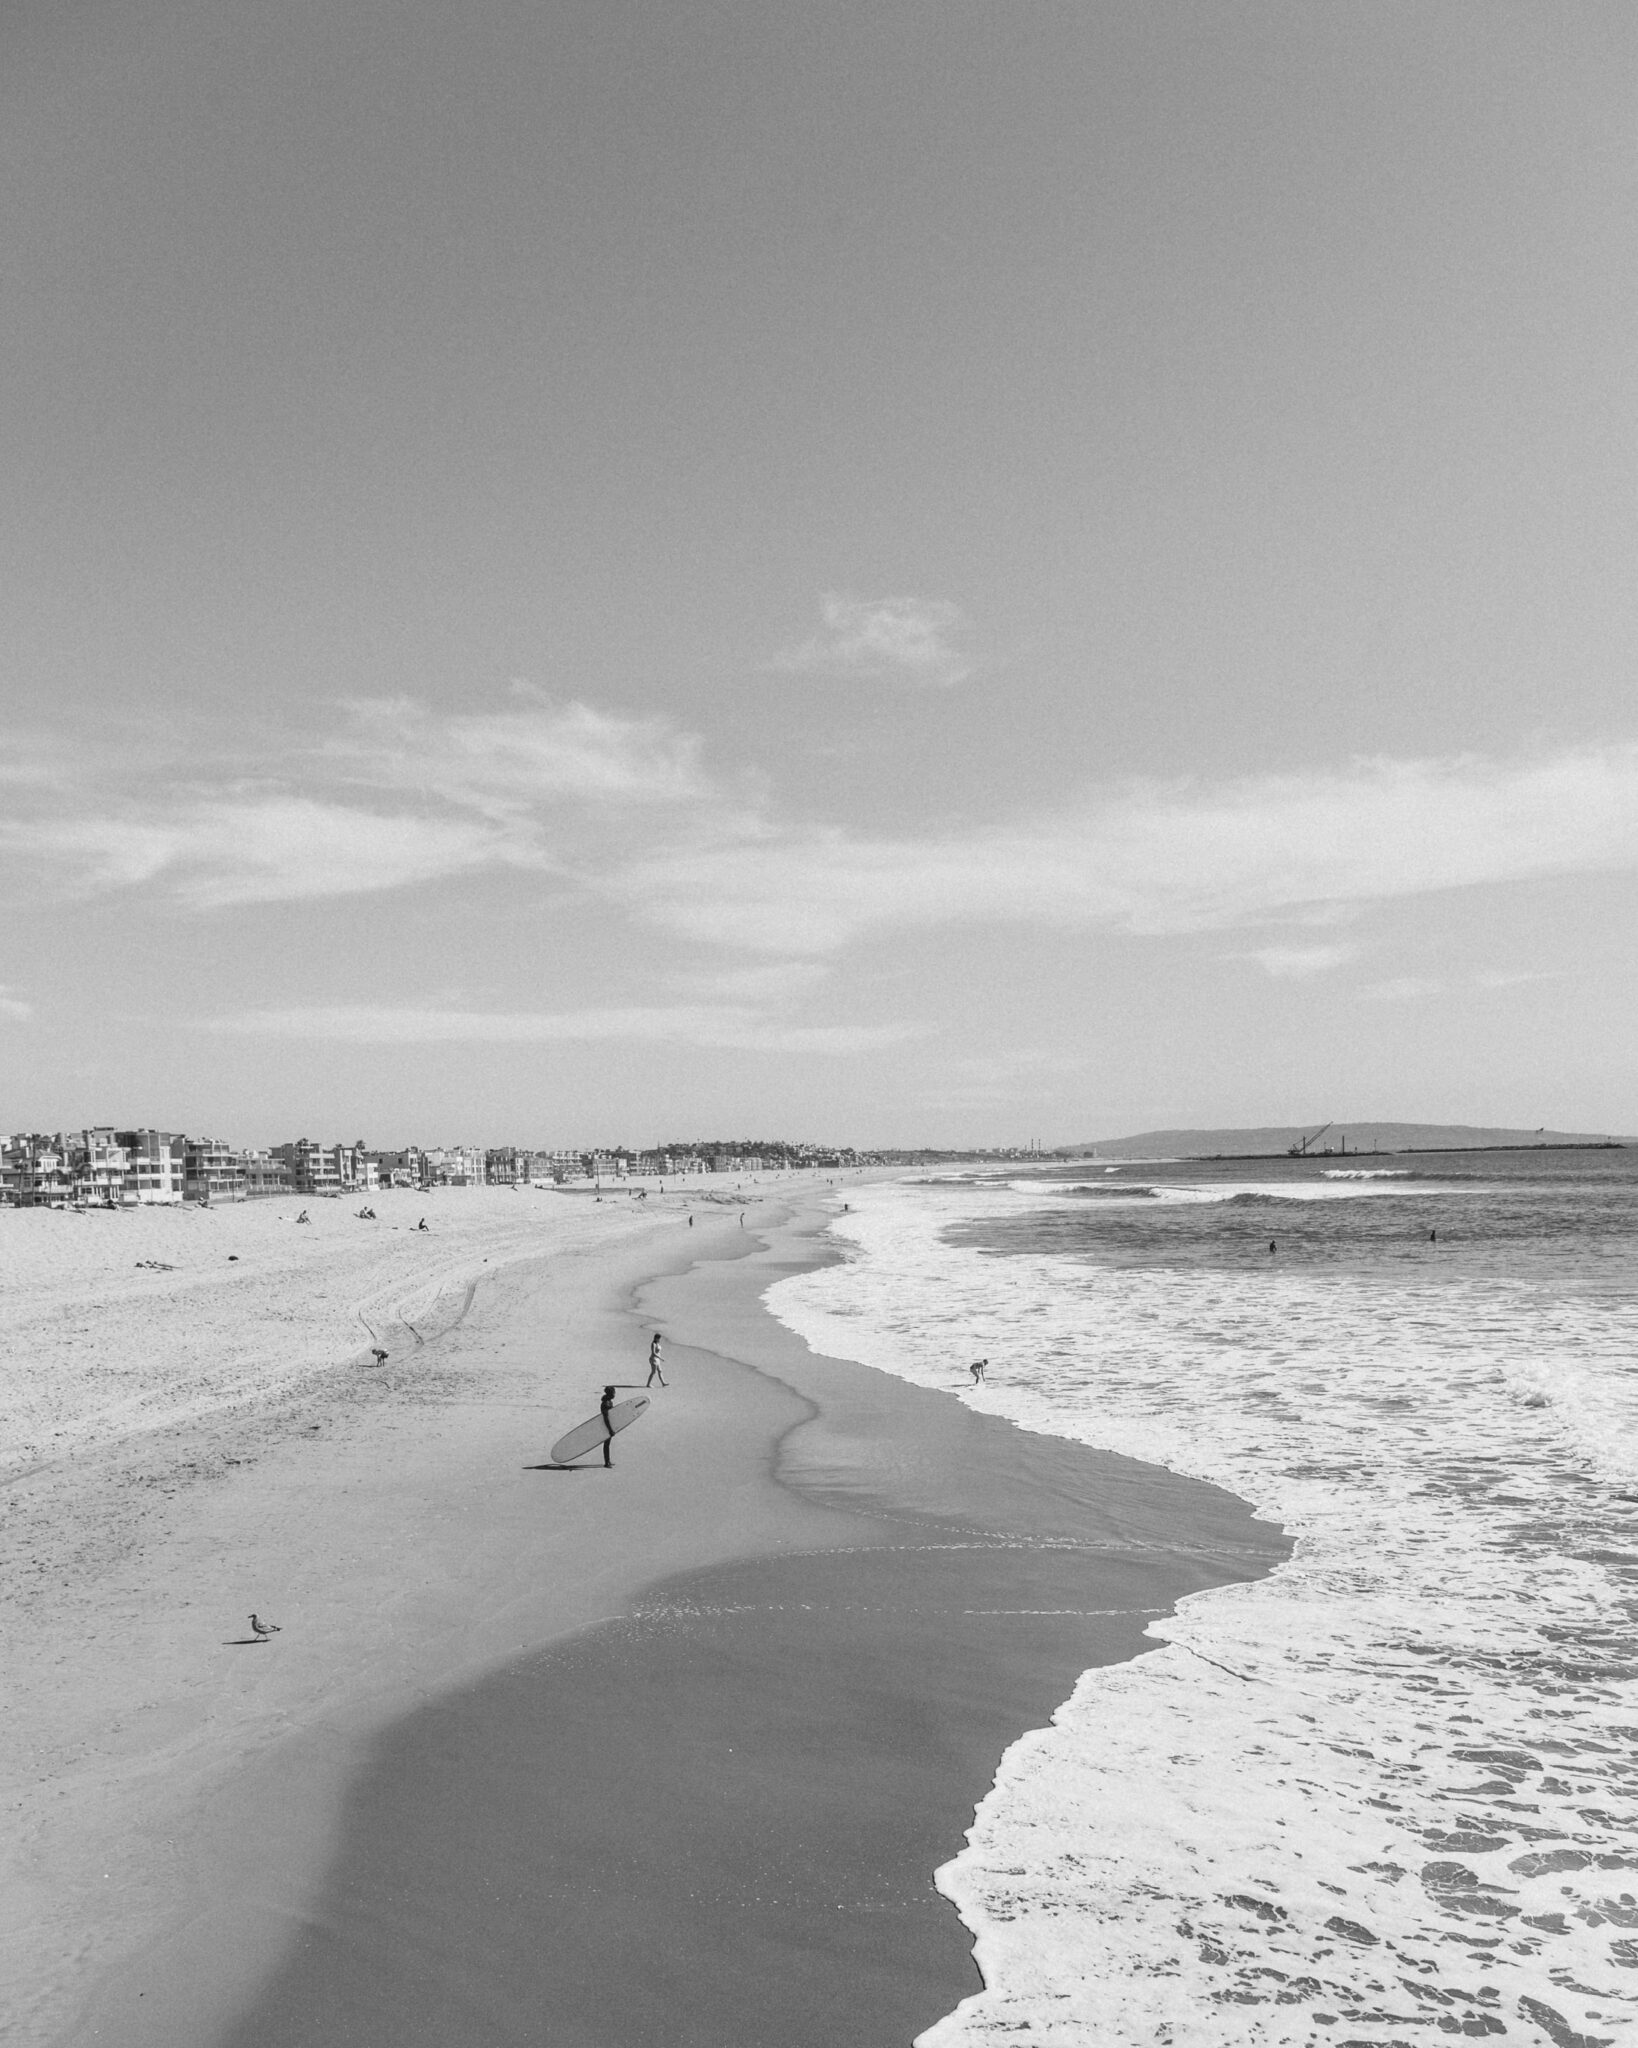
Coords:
1390,1792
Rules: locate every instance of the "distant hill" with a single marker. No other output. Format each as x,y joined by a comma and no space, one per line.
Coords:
1360,1138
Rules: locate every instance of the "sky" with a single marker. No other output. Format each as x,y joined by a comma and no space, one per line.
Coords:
893,573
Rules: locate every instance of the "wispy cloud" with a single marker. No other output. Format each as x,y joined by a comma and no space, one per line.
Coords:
397,796
1185,857
401,796
271,849
739,1028
538,753
912,640
1298,963
14,1007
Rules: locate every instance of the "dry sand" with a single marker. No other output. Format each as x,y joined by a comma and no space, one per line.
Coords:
183,1446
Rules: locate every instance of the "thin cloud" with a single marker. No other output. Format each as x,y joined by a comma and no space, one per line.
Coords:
274,849
14,1007
1187,857
912,640
1298,963
726,1026
405,797
541,753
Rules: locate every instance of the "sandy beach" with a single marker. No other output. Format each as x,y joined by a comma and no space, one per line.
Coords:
666,1753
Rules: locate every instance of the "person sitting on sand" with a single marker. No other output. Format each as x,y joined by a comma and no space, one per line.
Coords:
603,1408
977,1370
304,1217
422,1224
654,1372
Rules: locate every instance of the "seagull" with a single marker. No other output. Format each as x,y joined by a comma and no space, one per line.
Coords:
264,1629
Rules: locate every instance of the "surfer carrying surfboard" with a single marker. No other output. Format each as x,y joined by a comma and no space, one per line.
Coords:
603,1408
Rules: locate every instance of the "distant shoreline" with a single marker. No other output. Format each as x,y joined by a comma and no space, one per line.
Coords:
1392,1152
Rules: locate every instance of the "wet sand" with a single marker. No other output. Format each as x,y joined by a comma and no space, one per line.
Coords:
714,1820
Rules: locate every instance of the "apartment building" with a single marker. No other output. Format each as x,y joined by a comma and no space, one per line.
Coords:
97,1163
34,1171
403,1169
265,1176
155,1166
457,1166
314,1169
213,1172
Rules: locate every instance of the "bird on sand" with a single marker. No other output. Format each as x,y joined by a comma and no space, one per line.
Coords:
264,1629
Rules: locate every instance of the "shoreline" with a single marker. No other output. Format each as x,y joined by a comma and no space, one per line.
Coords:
778,1473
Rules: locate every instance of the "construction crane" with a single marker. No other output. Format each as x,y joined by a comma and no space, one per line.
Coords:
1300,1149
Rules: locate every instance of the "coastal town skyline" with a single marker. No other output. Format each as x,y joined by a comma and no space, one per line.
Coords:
109,1167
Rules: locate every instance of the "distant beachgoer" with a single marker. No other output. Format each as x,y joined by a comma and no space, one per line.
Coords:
422,1224
379,1355
690,1222
654,1372
977,1369
1433,1237
304,1217
1273,1247
603,1408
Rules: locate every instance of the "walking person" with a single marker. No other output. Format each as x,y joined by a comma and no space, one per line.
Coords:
654,1372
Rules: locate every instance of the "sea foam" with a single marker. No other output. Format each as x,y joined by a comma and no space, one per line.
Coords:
1386,1794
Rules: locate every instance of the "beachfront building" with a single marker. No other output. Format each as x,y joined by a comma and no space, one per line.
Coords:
457,1166
506,1166
360,1171
34,1171
155,1166
266,1175
213,1172
314,1169
97,1164
408,1168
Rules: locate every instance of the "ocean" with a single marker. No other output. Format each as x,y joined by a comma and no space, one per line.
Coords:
1390,1792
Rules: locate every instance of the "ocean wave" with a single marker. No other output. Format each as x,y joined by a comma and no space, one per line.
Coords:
1389,1788
1367,1173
